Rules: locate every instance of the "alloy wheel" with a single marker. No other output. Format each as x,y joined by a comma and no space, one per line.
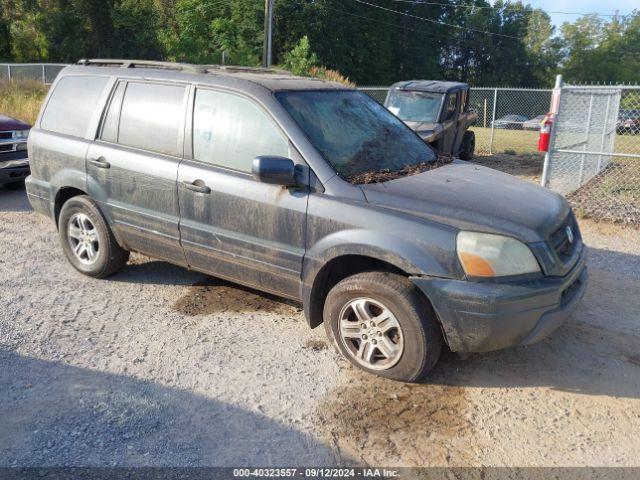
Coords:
83,238
371,333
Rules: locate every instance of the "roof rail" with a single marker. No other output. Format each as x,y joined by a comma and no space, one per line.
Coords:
108,62
182,67
242,69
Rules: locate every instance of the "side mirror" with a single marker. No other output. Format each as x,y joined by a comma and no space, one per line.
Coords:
274,170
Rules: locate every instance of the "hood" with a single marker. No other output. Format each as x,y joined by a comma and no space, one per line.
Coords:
471,197
8,123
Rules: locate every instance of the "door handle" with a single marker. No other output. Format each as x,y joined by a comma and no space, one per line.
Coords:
99,162
197,186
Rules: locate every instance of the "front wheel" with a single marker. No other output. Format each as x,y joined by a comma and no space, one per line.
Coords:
383,325
467,149
87,240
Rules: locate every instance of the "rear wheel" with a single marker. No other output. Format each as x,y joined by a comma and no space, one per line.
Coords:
468,146
87,240
383,325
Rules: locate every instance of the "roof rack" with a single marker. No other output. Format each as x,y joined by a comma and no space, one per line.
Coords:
243,69
184,67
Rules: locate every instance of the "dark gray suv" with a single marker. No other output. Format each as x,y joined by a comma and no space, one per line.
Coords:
252,176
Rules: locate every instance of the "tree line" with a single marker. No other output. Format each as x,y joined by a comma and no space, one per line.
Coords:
373,42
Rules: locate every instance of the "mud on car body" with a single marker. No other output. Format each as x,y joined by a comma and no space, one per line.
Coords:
242,174
14,163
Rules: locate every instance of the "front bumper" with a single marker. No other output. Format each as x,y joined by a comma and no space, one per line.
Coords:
14,167
485,316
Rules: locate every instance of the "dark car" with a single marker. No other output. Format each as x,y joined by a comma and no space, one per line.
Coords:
14,162
250,176
628,122
510,122
437,111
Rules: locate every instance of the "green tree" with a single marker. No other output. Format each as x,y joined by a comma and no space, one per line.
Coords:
300,60
135,27
598,51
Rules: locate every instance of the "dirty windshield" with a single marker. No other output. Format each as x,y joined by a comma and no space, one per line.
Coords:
415,106
354,133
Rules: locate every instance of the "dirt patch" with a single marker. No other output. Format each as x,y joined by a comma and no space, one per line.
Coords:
528,167
211,295
316,345
380,421
379,176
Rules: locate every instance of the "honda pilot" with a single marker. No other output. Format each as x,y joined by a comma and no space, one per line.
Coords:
308,190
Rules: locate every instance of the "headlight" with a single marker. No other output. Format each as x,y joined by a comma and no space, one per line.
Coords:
486,255
18,134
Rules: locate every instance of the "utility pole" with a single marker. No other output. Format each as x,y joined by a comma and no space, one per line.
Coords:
268,31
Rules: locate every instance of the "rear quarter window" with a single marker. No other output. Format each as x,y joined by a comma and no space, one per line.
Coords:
72,104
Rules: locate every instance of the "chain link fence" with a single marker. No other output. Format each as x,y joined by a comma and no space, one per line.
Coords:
41,72
594,156
508,118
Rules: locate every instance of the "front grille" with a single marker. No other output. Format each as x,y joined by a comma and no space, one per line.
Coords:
5,135
563,242
6,147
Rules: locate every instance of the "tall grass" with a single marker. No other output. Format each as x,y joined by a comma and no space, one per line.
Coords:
21,99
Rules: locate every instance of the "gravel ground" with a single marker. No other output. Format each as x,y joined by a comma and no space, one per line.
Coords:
161,366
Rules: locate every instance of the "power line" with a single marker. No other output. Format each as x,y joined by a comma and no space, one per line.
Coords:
438,22
398,27
404,52
506,8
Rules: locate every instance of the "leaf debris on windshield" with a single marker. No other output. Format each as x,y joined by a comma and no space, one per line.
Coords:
379,176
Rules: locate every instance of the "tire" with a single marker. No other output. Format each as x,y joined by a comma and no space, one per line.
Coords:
417,340
82,216
14,185
468,147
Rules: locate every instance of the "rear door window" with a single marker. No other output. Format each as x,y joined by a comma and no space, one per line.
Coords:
151,116
230,131
72,104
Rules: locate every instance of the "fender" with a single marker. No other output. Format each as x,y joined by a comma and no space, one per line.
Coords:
65,178
403,254
409,257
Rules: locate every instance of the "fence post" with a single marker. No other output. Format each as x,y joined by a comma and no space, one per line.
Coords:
583,157
604,132
9,72
555,109
44,77
484,116
493,120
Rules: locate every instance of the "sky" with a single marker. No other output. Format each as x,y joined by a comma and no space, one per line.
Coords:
608,7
